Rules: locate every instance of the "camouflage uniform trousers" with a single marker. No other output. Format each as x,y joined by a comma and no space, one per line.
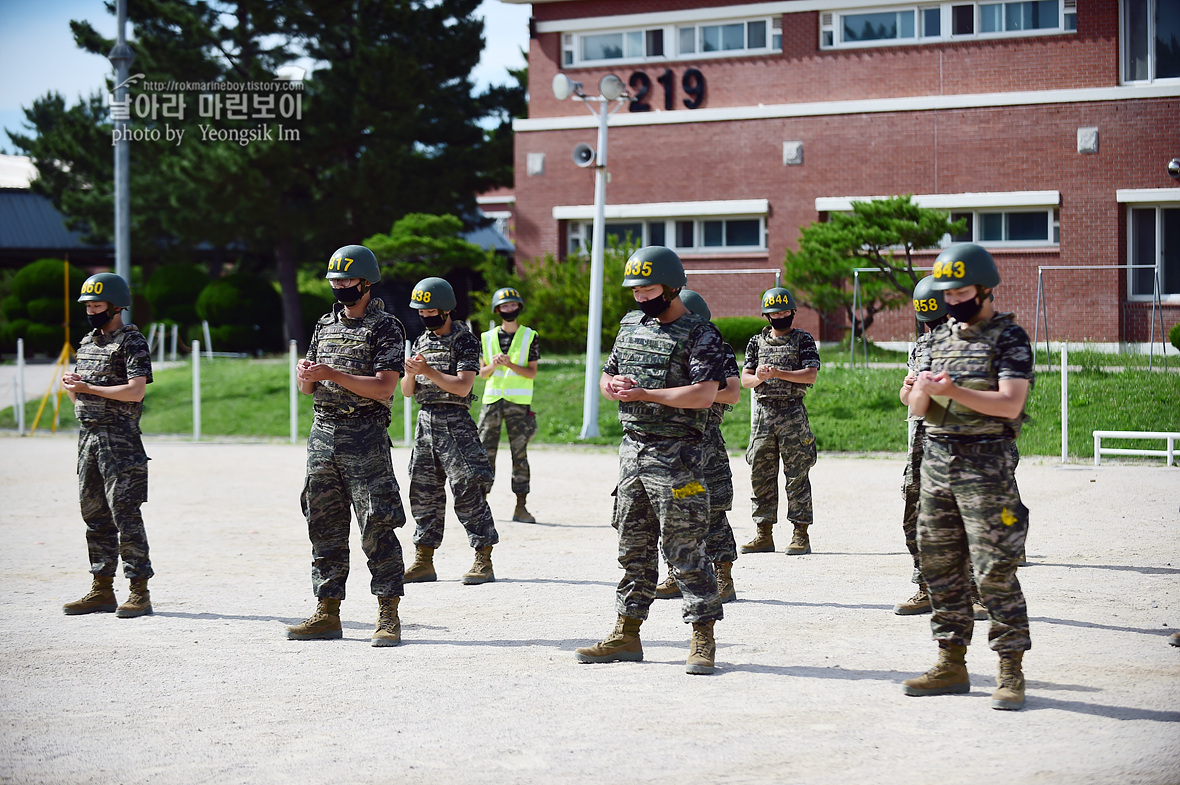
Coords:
661,496
911,489
720,545
971,514
112,484
349,464
518,418
447,448
781,431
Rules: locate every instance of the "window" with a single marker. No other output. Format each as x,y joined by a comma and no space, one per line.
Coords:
1155,245
946,22
685,235
1150,40
751,36
1008,227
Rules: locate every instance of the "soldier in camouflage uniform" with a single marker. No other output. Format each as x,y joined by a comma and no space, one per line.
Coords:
781,363
720,546
665,369
352,368
509,363
440,376
107,387
972,395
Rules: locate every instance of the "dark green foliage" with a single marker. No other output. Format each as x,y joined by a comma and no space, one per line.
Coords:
244,313
43,339
312,306
173,290
738,330
557,298
1174,335
39,297
13,307
11,331
419,246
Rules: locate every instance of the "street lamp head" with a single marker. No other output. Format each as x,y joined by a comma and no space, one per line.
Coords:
564,87
611,87
1174,168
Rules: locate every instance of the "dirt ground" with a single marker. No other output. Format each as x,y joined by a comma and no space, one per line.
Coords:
485,687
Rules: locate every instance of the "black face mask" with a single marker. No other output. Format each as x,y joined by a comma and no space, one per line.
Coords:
966,310
655,306
782,324
350,295
99,320
510,316
434,322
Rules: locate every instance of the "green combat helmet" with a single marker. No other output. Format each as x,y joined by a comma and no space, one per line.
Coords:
106,287
695,303
777,299
928,302
433,293
506,295
965,264
654,264
354,261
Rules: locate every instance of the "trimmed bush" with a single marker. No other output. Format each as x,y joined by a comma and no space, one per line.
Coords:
173,291
37,291
738,330
10,332
43,338
1174,335
247,301
312,307
13,307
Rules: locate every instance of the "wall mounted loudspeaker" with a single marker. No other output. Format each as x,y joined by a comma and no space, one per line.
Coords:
584,155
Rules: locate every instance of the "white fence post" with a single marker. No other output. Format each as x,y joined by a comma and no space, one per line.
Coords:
175,333
162,329
1064,402
208,340
407,412
196,391
20,386
292,350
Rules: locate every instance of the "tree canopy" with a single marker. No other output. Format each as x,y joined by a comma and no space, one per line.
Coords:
881,234
388,124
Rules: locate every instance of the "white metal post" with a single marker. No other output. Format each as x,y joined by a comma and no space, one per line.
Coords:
407,411
208,340
196,391
160,331
597,272
292,349
1064,402
172,350
20,386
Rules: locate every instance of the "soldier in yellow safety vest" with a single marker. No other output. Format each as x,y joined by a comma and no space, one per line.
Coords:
509,363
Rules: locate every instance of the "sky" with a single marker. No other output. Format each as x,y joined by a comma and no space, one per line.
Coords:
38,54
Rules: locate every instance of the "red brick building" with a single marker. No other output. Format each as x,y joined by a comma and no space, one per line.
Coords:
1048,124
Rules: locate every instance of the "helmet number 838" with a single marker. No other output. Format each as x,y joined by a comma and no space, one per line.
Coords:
637,267
420,296
949,269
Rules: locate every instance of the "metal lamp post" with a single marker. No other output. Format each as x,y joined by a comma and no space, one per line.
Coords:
122,57
611,90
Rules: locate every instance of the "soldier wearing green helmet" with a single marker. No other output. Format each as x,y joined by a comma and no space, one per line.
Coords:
439,376
509,363
972,392
107,387
665,369
720,546
353,364
781,364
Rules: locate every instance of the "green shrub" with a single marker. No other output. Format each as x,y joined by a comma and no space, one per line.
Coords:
11,331
46,310
173,290
246,301
43,338
13,307
738,330
312,307
37,293
1174,335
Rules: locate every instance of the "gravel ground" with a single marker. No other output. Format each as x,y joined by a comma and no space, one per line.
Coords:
485,687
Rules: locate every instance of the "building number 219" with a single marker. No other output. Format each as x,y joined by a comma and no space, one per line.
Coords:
693,83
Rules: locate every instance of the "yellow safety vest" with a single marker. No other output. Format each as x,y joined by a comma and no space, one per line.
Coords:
504,382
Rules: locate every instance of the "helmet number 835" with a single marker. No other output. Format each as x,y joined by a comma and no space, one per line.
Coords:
949,269
420,296
636,267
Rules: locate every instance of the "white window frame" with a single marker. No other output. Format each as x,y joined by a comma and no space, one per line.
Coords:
579,232
1124,30
832,24
571,42
1052,227
1166,297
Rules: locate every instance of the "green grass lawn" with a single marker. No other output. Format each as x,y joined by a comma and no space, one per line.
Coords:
851,409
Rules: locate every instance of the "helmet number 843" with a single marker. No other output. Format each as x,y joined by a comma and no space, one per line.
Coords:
949,269
636,267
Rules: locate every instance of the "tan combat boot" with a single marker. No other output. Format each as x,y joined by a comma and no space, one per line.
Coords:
100,599
763,542
919,603
948,676
724,570
800,545
389,626
702,650
422,570
520,513
668,589
1009,694
139,601
481,570
622,644
324,624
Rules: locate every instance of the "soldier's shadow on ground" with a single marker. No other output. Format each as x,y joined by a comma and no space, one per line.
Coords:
554,525
1117,567
348,625
1093,625
557,580
792,604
